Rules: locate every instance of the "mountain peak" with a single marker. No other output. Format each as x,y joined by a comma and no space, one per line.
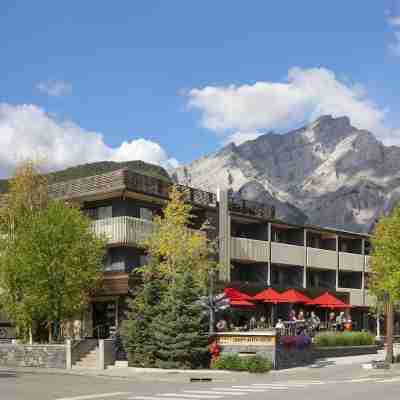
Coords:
333,125
319,170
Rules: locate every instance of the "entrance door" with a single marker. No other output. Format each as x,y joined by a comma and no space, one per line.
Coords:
104,317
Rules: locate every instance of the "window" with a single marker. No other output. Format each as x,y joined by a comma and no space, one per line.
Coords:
114,261
351,280
104,212
99,212
277,236
146,213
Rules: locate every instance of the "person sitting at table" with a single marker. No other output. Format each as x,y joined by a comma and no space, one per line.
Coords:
222,325
280,327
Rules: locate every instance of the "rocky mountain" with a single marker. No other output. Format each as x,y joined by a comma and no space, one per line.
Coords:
327,173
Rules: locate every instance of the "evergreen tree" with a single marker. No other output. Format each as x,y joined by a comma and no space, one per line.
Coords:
179,330
136,333
165,321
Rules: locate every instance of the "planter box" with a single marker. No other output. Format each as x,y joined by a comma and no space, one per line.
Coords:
344,351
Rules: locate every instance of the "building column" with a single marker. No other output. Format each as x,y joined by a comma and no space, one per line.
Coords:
269,252
305,260
337,263
224,237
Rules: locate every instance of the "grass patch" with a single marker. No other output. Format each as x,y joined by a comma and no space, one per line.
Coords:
337,339
254,364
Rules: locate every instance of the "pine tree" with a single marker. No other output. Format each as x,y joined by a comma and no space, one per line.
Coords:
179,329
144,307
165,321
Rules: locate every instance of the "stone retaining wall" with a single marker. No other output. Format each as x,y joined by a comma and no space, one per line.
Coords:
292,357
44,356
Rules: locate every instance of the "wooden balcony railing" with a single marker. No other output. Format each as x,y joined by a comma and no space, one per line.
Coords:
249,249
123,230
126,230
253,208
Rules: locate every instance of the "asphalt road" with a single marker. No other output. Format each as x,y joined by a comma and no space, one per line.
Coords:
344,382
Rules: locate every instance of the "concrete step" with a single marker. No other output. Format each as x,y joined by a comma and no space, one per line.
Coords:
78,367
118,364
86,365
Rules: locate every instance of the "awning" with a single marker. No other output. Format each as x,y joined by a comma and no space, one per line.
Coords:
294,296
268,296
327,300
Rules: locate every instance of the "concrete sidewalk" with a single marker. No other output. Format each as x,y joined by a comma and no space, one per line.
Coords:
321,367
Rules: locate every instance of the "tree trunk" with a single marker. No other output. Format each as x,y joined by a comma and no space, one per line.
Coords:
30,335
378,325
389,333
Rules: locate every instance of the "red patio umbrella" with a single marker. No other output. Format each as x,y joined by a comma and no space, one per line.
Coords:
241,303
237,298
294,296
235,294
327,300
268,296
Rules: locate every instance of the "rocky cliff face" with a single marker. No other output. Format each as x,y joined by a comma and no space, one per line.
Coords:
327,173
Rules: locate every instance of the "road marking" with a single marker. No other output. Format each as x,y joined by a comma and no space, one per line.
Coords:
389,380
360,380
224,393
234,389
191,396
95,396
155,398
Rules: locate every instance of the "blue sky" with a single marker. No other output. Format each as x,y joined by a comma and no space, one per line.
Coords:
178,79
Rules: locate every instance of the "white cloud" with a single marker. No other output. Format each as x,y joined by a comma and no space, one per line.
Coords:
394,45
305,95
55,88
394,21
27,131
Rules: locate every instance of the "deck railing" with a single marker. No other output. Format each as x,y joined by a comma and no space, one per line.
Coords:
249,249
123,230
126,230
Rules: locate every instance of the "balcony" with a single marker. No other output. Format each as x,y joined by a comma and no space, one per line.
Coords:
249,250
351,262
113,283
367,263
322,259
356,296
290,254
123,230
370,299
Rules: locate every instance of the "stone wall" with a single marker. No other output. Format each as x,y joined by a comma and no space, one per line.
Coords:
44,356
293,357
263,351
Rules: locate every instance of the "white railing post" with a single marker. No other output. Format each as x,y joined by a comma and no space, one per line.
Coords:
100,355
68,354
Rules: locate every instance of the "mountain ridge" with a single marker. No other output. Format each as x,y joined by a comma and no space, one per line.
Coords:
331,172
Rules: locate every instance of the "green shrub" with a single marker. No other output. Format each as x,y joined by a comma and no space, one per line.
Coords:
335,339
254,364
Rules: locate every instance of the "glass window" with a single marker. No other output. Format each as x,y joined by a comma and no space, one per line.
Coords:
146,213
114,261
104,212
